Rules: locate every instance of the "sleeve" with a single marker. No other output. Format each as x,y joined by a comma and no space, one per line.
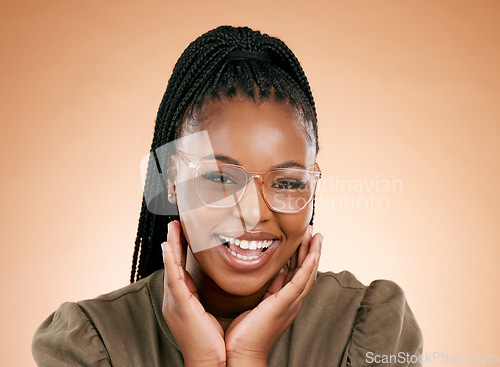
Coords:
68,338
385,331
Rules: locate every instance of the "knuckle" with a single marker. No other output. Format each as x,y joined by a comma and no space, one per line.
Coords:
298,286
172,282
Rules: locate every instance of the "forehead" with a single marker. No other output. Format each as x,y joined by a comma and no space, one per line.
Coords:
258,135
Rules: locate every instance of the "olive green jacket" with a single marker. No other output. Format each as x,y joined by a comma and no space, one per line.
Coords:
341,323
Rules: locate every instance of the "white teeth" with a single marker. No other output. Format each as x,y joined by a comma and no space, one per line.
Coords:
244,244
265,244
251,245
243,257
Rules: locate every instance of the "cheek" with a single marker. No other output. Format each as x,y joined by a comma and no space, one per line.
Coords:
198,225
295,225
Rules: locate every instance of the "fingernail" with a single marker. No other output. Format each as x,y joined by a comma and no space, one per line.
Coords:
321,239
169,225
311,230
162,248
316,257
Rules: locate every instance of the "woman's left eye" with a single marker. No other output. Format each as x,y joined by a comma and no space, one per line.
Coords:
290,185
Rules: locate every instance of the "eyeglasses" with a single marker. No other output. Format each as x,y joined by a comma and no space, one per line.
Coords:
222,185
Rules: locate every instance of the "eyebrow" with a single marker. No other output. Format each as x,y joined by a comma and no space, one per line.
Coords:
226,159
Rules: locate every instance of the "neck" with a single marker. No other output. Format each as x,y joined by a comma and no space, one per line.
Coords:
225,307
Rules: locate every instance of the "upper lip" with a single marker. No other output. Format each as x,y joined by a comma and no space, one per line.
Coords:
252,236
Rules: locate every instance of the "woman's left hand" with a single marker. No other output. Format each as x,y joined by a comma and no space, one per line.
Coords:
252,335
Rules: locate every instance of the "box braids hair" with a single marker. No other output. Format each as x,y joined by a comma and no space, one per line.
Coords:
224,62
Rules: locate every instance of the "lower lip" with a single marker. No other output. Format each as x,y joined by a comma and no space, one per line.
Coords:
241,264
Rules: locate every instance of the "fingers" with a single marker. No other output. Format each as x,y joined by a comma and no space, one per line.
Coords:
276,285
316,244
315,247
300,284
178,284
174,284
173,237
176,238
304,246
293,261
184,245
291,292
293,267
298,257
302,281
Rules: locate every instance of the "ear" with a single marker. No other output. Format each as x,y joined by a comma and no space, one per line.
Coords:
172,178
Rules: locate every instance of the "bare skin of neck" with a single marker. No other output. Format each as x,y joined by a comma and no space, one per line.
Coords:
223,306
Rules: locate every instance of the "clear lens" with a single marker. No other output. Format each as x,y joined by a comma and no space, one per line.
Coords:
219,184
289,190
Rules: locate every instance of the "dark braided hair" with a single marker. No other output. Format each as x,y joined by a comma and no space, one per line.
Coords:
214,66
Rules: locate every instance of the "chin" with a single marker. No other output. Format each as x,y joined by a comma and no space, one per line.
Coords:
242,286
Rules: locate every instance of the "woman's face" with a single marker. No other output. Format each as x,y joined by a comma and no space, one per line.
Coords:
259,138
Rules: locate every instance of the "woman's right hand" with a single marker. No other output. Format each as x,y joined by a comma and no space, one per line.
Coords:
198,333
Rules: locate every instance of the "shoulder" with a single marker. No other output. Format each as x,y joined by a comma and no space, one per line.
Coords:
353,321
383,297
341,289
117,300
384,304
131,324
344,279
385,328
67,337
107,328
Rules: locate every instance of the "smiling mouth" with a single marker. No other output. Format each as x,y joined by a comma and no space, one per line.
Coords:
244,249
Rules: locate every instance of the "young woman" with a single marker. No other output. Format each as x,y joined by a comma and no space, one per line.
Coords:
231,278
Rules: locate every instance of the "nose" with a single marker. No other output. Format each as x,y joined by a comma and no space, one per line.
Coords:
252,208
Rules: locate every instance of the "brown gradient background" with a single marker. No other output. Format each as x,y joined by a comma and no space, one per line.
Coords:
405,90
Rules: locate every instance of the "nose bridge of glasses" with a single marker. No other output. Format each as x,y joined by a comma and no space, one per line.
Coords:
255,175
251,176
251,204
259,195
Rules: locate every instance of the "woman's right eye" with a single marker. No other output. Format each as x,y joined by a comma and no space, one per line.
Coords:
217,177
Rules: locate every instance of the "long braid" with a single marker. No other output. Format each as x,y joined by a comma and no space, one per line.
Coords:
204,71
